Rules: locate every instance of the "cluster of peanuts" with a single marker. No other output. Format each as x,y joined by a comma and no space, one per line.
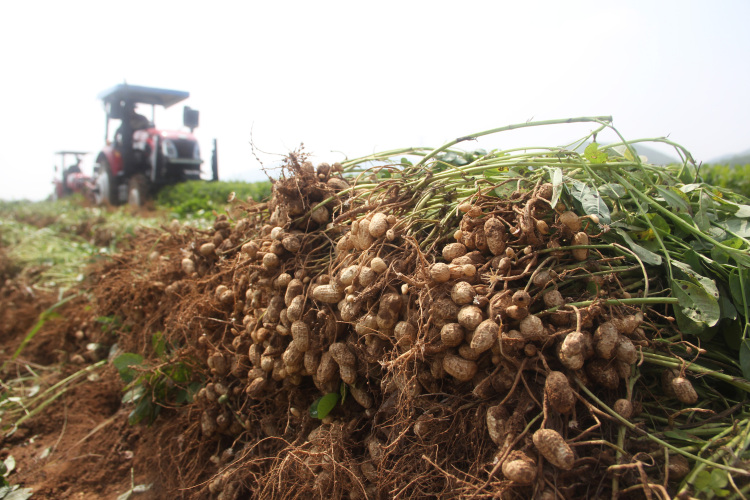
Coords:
490,303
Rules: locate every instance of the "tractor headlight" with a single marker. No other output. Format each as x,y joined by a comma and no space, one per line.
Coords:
196,152
168,148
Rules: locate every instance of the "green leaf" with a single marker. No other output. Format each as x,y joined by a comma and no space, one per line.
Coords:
702,482
718,478
739,279
701,217
740,211
659,223
728,311
689,188
405,162
699,309
613,190
745,358
732,332
179,373
145,411
182,397
123,363
647,256
322,406
590,200
683,436
676,199
343,391
594,154
504,191
707,284
134,394
740,227
159,344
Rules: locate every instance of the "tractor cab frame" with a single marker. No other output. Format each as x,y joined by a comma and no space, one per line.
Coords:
69,178
140,158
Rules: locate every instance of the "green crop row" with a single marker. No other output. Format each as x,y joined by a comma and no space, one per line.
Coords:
192,197
734,177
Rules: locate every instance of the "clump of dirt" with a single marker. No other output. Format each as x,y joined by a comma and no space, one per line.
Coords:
83,447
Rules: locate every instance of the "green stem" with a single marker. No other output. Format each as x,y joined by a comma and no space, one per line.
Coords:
655,439
594,119
739,255
636,301
657,359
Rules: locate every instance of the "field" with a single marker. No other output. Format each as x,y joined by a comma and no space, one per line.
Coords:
421,323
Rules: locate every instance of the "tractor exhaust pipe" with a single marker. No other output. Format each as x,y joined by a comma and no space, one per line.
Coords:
215,163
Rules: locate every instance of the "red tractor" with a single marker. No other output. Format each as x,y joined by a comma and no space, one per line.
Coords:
69,178
140,158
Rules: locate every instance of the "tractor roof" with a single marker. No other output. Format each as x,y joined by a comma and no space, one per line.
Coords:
146,95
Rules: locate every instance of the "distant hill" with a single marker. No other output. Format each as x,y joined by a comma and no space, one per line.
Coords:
654,157
742,158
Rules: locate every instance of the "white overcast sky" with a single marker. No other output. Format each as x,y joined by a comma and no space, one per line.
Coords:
357,77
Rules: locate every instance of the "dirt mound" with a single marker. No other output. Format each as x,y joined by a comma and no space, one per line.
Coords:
343,341
438,364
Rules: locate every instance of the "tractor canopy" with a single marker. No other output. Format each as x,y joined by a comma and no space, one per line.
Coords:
135,94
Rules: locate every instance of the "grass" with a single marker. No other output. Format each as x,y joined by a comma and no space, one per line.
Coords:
736,178
52,242
194,198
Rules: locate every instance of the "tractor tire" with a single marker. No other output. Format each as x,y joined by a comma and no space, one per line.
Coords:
105,192
138,190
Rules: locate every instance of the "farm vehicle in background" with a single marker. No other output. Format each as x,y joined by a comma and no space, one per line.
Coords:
140,158
69,179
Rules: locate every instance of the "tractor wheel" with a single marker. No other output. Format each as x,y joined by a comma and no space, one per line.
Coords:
105,192
138,190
